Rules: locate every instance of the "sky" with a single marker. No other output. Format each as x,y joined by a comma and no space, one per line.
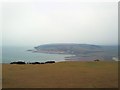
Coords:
36,23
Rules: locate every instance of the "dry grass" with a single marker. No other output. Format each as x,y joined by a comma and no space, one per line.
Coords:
62,75
0,76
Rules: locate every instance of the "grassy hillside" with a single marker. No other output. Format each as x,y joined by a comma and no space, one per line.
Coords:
61,75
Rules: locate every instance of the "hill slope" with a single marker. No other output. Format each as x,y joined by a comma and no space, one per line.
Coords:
61,75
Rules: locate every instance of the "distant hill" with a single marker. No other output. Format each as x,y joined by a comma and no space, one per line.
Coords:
69,48
81,51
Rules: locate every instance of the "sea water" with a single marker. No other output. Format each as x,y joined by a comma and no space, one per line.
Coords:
10,54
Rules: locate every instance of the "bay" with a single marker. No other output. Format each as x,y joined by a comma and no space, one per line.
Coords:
10,54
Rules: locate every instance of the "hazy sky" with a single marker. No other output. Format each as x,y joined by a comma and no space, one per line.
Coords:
35,23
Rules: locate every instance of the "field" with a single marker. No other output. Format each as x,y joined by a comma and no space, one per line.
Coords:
0,76
61,75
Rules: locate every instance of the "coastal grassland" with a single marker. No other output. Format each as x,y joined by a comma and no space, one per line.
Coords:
73,74
0,76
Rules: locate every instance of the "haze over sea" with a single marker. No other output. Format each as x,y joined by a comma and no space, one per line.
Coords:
37,23
10,54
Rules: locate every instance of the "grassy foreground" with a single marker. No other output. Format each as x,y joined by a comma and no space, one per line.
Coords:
61,75
0,76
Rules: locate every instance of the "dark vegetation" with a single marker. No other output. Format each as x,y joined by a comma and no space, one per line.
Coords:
22,62
19,62
97,60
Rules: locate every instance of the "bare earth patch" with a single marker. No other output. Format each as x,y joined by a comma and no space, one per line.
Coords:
61,75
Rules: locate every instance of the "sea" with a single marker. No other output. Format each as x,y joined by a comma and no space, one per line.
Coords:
10,54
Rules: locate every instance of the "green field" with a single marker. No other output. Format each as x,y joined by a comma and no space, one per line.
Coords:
62,75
